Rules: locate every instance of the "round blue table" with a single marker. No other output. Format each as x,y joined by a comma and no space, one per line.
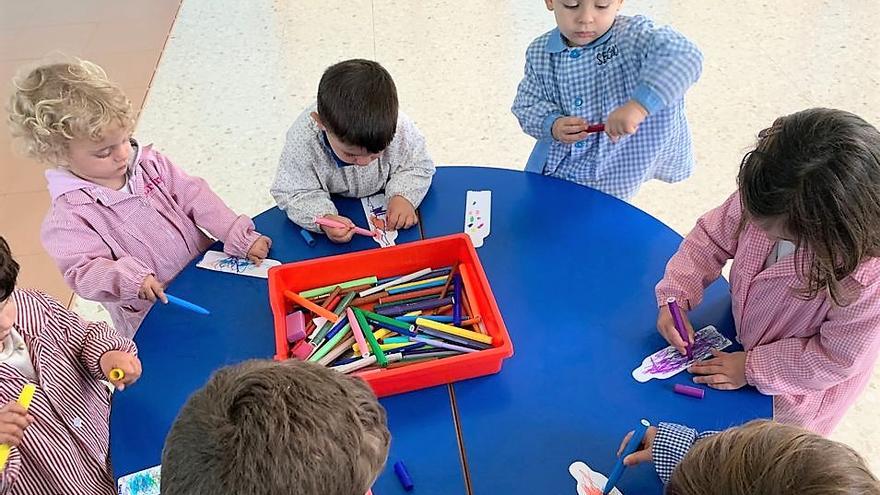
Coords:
573,272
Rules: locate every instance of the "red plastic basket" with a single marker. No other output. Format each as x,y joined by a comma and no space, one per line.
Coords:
388,262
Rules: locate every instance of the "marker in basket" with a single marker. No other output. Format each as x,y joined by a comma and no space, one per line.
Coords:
339,225
675,311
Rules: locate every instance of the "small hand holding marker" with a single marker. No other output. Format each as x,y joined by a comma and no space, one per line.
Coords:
120,368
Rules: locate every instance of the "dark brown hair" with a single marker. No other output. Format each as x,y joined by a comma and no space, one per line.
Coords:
357,101
768,458
8,271
276,428
818,171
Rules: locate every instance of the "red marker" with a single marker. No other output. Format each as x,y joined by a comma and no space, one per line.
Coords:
595,128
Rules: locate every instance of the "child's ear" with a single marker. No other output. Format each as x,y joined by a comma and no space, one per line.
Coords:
549,4
317,119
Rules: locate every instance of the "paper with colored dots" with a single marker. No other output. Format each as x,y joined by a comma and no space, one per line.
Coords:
376,212
478,216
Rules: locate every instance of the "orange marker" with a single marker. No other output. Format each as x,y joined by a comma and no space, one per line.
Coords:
309,305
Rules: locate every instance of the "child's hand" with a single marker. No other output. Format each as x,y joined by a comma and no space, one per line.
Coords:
339,235
667,329
151,290
725,371
128,363
644,453
569,129
259,250
13,421
401,214
625,120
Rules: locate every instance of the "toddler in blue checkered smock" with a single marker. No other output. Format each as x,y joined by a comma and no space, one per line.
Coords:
600,67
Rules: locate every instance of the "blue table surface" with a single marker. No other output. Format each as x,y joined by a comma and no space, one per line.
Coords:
573,271
180,349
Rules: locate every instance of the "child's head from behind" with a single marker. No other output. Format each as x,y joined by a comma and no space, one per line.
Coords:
814,179
584,21
764,457
357,106
8,277
276,428
72,114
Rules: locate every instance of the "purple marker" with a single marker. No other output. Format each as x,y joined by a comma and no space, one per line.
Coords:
694,392
456,301
675,311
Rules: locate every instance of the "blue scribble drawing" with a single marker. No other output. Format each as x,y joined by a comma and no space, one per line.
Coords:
240,265
146,482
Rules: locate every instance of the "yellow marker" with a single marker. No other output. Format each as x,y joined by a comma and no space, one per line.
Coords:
116,374
442,327
379,334
24,400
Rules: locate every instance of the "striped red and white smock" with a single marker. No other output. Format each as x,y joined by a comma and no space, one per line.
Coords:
65,450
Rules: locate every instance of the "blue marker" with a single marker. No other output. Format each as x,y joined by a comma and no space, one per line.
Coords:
308,237
631,446
403,475
187,305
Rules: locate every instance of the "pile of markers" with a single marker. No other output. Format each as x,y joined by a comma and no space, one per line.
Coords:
372,323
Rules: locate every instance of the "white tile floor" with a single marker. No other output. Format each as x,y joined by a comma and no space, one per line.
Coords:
235,74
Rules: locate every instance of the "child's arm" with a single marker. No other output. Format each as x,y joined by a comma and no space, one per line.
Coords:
87,263
89,341
206,209
847,344
671,445
670,63
412,170
532,106
702,255
297,188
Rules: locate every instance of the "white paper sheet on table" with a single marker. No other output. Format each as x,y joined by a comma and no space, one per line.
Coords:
376,213
668,361
222,262
589,482
146,482
478,216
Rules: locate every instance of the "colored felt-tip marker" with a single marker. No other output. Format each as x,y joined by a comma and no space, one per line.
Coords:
307,236
631,446
24,400
339,225
596,128
187,305
675,311
403,475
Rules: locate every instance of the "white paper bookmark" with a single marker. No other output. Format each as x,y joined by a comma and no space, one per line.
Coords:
478,216
376,212
222,262
589,482
668,361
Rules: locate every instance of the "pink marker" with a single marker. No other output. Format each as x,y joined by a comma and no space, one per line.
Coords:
358,333
339,225
675,311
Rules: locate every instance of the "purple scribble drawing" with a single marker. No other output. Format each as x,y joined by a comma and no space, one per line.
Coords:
240,265
668,361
